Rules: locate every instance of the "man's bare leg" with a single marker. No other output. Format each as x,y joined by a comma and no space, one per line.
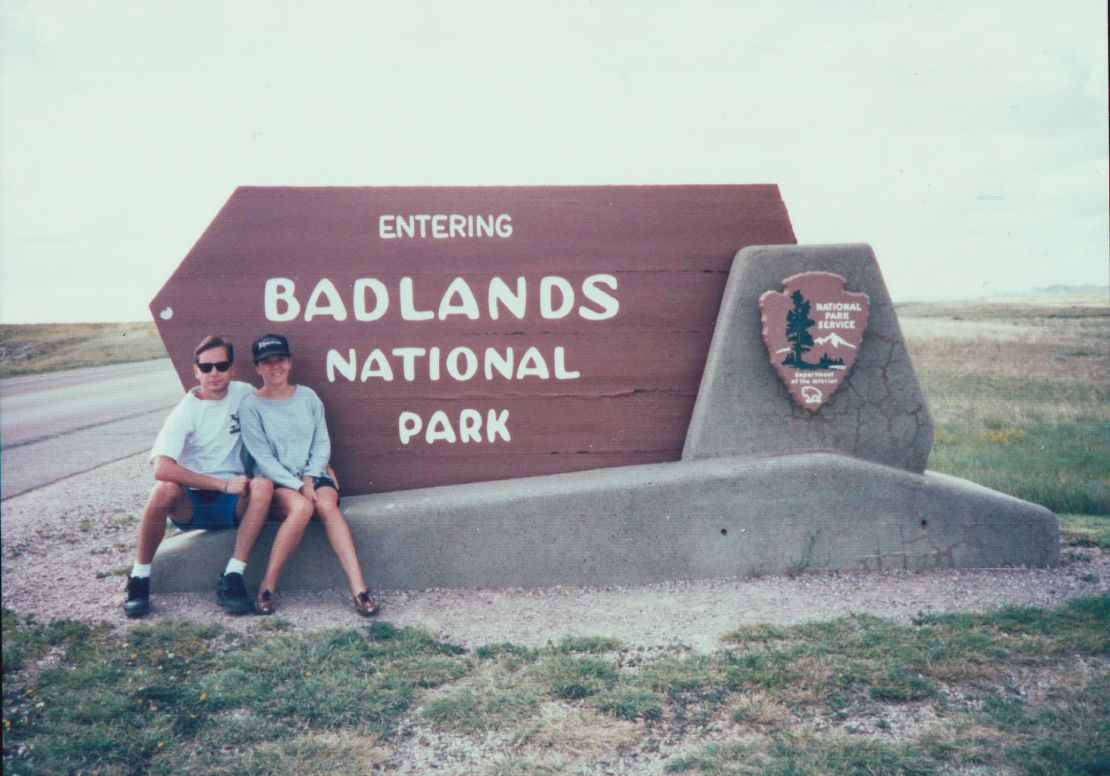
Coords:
166,498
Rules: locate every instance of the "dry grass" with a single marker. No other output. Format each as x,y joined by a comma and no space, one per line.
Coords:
964,669
1019,397
760,708
1019,370
34,348
311,754
573,733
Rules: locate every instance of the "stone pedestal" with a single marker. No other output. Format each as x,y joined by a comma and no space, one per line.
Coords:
743,408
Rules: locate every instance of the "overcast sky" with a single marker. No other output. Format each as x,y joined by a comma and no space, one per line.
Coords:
966,141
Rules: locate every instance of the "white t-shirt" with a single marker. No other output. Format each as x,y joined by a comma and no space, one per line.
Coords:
203,435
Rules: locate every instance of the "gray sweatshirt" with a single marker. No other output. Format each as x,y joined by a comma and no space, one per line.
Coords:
287,438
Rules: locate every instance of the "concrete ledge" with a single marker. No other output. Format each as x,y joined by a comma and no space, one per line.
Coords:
641,524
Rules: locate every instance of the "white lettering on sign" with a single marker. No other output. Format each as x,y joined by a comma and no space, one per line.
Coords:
369,299
331,304
461,364
548,288
470,364
443,226
458,299
500,293
280,304
608,304
829,306
408,306
381,299
557,297
838,315
440,429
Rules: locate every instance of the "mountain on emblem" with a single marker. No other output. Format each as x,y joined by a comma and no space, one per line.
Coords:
813,329
834,340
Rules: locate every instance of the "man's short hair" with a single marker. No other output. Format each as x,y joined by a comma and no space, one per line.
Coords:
214,341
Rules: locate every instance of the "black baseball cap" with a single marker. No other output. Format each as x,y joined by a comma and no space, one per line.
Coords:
270,345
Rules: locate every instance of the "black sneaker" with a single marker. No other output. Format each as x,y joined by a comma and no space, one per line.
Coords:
138,597
231,594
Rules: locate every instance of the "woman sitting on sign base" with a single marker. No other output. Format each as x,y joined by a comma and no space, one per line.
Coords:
285,433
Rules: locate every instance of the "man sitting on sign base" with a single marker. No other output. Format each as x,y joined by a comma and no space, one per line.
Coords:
198,463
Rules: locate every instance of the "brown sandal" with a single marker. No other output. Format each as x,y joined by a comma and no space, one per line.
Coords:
264,602
367,604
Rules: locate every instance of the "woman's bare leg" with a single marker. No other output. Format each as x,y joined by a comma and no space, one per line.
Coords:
339,535
298,511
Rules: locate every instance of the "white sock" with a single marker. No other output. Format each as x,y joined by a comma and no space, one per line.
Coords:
235,567
141,570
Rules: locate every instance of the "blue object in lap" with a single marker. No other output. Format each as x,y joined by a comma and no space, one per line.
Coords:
211,510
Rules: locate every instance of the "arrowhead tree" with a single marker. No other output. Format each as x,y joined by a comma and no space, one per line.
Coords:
798,323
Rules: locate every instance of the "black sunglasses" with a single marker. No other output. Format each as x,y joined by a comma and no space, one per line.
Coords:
221,366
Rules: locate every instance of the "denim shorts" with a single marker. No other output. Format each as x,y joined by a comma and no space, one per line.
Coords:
212,509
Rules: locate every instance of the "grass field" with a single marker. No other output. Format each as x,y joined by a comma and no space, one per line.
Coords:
1023,690
35,348
1019,397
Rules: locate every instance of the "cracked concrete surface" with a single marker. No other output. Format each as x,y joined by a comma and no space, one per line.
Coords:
879,414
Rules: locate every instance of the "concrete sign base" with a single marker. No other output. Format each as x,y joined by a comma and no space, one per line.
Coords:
637,524
764,486
879,414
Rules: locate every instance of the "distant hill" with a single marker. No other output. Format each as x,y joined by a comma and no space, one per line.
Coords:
1090,288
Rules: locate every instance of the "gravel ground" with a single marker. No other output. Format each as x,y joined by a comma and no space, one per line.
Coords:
67,548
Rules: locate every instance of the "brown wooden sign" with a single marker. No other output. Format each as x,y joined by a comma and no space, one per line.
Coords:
466,334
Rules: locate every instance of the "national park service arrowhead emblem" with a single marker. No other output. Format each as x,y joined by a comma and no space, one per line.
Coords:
813,329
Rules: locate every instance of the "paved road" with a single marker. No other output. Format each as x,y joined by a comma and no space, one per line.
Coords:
55,425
